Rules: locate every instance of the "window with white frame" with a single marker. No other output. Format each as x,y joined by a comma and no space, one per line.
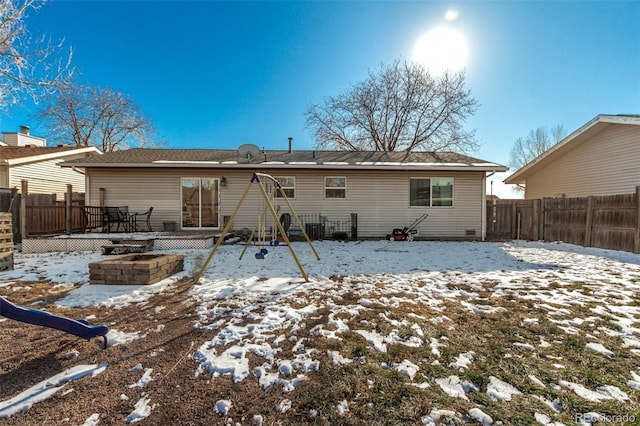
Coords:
335,187
288,185
431,192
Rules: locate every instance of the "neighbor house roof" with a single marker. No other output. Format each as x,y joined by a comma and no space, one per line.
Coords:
583,134
218,158
13,155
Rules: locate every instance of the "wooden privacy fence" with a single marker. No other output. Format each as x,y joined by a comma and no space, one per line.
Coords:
54,220
41,214
611,221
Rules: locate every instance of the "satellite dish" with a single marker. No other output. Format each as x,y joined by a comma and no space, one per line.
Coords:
248,150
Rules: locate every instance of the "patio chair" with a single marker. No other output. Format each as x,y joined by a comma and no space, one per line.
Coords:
116,216
141,217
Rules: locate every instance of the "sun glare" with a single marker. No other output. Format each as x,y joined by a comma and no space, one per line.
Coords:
451,15
440,50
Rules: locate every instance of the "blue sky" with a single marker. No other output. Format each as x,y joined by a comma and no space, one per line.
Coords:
220,74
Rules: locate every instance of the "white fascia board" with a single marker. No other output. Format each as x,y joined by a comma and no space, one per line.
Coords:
54,155
620,119
479,167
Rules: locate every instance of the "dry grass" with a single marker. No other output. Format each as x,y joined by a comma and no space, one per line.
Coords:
378,394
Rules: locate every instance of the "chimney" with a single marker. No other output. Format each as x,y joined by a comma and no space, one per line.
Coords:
24,130
290,143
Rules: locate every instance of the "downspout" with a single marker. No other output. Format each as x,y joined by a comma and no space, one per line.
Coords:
87,190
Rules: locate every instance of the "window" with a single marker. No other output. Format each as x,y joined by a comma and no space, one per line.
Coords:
335,187
442,192
288,185
431,192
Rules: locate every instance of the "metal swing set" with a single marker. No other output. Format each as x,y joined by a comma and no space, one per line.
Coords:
268,186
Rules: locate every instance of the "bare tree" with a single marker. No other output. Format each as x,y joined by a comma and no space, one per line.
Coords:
537,142
399,107
85,115
29,65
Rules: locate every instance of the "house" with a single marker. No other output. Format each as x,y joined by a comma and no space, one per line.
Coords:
600,158
26,157
199,188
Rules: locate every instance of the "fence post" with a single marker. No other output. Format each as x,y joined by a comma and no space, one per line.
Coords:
534,218
24,188
589,222
493,215
514,230
637,239
68,216
543,221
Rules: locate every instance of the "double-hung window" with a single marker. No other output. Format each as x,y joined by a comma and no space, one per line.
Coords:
431,192
335,187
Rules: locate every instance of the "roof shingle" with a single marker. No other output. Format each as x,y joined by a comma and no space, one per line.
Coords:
145,156
12,152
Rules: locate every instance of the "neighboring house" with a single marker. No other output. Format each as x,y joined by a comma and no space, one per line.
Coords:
600,158
198,188
26,157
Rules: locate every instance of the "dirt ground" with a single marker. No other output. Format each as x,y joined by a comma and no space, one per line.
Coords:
30,354
376,394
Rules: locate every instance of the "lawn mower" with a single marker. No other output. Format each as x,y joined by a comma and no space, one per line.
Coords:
406,233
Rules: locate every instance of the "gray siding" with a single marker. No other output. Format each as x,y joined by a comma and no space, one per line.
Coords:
608,163
381,200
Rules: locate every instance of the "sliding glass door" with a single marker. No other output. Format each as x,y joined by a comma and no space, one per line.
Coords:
200,202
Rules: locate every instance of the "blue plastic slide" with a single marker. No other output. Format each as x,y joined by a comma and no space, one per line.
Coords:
80,328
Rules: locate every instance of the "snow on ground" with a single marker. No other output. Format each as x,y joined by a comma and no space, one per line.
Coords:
500,391
46,389
255,305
